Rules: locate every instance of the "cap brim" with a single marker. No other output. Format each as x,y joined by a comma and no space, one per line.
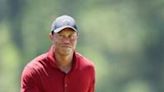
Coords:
61,28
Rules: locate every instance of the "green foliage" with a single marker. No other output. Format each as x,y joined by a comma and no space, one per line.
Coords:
9,61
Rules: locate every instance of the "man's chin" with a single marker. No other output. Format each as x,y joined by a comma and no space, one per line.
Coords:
67,51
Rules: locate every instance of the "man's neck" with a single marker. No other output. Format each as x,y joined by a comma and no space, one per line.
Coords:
64,62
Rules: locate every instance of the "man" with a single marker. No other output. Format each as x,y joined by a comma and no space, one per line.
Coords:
62,68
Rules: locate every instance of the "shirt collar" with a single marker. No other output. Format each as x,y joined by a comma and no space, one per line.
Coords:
51,57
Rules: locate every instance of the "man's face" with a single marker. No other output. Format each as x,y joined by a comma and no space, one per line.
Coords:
65,41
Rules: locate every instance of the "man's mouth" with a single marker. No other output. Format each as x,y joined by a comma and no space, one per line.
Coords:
66,46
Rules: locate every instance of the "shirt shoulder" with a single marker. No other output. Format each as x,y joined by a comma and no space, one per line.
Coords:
84,62
30,77
36,65
85,66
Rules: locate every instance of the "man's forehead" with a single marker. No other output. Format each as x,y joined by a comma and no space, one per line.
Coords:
67,30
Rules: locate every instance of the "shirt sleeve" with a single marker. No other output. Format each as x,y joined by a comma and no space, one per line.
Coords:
30,81
92,84
92,87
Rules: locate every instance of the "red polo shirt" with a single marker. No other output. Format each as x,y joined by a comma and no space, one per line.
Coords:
42,75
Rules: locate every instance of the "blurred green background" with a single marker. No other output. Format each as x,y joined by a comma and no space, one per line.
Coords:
124,38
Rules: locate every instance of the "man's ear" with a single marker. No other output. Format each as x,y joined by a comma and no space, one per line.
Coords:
50,36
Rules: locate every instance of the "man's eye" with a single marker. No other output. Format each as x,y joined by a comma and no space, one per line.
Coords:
70,36
61,36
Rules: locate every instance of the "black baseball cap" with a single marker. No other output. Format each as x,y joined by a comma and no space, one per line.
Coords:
63,22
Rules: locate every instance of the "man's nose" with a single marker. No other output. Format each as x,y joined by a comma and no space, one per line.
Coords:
66,40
